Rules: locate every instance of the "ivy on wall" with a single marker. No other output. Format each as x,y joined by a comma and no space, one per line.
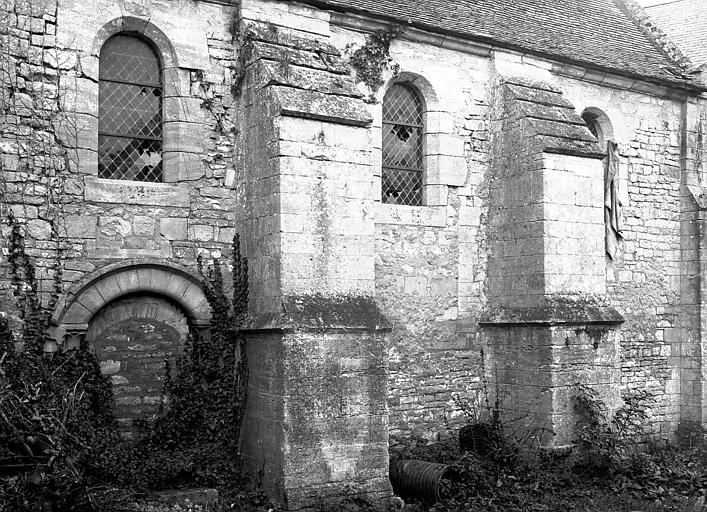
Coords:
56,409
195,440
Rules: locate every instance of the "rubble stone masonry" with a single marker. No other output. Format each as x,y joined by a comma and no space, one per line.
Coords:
49,143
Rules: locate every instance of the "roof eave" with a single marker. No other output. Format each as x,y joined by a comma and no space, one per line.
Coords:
484,45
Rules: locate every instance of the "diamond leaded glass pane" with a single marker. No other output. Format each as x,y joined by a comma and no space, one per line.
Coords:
130,111
402,146
402,187
402,106
125,158
129,59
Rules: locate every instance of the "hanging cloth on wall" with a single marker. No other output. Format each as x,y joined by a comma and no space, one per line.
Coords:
612,205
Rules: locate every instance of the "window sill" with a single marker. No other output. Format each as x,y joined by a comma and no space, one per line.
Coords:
430,216
104,190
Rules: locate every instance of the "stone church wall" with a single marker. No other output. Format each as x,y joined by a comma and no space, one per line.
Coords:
303,186
131,338
49,182
431,261
645,282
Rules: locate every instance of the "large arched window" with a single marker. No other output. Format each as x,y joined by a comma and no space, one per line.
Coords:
403,132
129,110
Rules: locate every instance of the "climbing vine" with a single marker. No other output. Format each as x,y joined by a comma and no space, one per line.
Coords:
372,59
39,133
195,439
56,420
33,313
244,44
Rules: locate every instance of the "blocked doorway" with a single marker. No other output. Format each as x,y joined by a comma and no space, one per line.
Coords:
133,338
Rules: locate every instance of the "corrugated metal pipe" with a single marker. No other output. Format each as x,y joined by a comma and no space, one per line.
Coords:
420,479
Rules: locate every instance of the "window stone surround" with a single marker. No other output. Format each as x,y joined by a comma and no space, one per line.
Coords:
183,118
444,164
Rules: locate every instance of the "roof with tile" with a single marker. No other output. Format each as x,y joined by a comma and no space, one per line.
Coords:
598,33
685,22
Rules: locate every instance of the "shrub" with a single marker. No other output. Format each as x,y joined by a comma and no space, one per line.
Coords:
613,449
55,409
612,468
609,444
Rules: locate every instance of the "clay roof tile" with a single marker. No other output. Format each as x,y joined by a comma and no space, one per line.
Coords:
597,33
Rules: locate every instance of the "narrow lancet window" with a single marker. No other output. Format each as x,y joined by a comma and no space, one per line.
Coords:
129,111
403,132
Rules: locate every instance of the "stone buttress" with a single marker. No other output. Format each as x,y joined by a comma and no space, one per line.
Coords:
317,423
548,324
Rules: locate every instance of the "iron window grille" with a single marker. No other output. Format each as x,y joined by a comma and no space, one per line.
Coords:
402,146
129,111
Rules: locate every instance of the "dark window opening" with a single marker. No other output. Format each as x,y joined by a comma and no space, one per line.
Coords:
403,132
129,111
592,122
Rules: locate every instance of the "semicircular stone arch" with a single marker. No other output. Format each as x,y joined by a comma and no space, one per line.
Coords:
440,168
173,282
599,124
143,27
133,316
424,88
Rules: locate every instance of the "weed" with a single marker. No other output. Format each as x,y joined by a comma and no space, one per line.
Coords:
372,59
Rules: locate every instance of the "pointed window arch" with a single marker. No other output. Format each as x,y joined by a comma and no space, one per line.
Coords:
402,146
129,110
